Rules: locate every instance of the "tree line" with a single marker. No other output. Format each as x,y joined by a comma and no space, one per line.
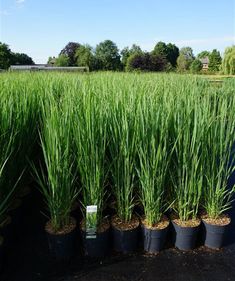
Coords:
164,57
8,58
107,56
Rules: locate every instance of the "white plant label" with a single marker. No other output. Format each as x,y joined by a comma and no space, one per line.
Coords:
91,209
91,221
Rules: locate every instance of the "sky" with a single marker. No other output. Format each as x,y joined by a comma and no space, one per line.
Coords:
41,28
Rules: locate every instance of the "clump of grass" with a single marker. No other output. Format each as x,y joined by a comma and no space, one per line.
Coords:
124,133
7,141
154,155
219,154
171,135
187,168
57,180
90,141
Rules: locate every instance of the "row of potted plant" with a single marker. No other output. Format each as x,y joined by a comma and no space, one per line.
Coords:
148,145
169,154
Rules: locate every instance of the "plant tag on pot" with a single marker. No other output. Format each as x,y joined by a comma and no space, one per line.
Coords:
91,221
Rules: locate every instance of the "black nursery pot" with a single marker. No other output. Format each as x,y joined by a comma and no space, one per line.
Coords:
6,230
185,237
99,246
1,253
16,213
154,239
62,245
214,235
125,241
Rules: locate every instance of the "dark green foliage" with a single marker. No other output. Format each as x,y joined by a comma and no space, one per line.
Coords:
168,51
21,59
85,57
5,56
136,62
146,62
107,56
70,51
172,54
196,66
161,49
215,60
126,53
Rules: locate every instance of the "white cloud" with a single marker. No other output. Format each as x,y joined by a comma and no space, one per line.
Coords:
20,1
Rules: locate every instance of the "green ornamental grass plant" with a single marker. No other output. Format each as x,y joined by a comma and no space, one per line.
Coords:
7,137
90,142
123,129
187,162
22,93
57,180
153,159
171,135
219,154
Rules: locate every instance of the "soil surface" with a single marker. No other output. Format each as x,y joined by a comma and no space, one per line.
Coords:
123,226
164,222
28,258
65,230
222,220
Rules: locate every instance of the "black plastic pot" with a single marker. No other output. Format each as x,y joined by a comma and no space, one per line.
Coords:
125,241
99,246
16,213
185,237
214,235
1,253
62,246
154,239
6,231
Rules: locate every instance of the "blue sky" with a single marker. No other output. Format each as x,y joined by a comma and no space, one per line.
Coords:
42,28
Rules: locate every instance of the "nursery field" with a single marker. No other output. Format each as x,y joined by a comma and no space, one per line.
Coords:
102,169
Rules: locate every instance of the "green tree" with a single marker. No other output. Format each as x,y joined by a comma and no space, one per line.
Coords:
107,55
70,50
185,59
161,49
21,59
136,62
51,61
172,54
85,56
182,63
126,53
228,63
215,61
203,54
62,60
196,66
146,62
5,56
168,51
